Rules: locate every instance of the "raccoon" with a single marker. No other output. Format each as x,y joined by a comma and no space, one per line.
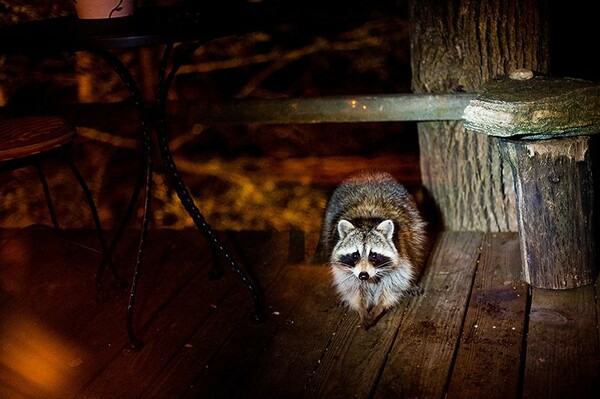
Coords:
375,239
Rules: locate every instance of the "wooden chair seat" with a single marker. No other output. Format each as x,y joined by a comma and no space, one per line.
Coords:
21,137
27,141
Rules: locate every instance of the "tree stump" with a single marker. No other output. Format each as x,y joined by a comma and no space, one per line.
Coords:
545,124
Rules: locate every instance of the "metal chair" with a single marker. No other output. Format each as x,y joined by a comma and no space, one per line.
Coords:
30,140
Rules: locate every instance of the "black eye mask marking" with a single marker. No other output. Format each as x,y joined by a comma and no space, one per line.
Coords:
378,259
350,259
375,258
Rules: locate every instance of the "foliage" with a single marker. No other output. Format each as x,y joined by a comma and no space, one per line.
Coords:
224,166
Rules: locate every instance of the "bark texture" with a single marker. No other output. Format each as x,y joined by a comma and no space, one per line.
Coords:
536,108
457,46
555,208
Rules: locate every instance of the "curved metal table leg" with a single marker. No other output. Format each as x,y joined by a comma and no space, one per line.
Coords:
121,228
134,343
259,314
127,79
182,53
106,254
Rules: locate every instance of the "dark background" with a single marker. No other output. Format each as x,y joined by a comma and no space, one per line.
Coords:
231,168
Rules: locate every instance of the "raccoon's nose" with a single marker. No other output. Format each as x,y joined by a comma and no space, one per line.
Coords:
363,276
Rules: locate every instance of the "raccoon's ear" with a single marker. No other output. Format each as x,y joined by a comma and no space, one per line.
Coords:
386,228
344,228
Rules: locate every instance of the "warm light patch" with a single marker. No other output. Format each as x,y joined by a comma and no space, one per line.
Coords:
35,362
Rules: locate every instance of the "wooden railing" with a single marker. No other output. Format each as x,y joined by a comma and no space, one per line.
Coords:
341,109
544,125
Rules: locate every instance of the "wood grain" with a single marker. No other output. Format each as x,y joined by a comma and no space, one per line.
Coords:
457,46
488,360
199,342
419,363
555,208
563,357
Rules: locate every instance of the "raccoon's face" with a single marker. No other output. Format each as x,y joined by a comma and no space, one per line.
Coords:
367,253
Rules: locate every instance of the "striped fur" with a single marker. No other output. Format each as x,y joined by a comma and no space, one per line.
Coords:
375,239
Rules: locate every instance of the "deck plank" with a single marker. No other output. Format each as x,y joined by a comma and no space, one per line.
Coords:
354,358
164,336
563,357
51,296
168,269
419,362
199,342
64,301
288,348
489,355
185,371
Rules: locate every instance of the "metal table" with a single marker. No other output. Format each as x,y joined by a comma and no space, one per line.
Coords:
181,31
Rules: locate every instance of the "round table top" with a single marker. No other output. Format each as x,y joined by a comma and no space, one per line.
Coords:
170,24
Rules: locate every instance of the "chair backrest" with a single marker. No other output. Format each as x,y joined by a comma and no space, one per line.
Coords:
21,137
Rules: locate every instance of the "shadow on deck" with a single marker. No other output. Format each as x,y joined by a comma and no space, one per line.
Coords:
476,332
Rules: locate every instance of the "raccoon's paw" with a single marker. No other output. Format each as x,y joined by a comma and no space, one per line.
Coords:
367,321
371,318
415,290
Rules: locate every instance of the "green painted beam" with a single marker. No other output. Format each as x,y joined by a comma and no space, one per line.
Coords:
339,109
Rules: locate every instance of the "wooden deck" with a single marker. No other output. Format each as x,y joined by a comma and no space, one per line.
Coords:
476,332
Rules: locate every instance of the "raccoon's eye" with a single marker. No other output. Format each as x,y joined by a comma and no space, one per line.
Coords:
350,259
377,258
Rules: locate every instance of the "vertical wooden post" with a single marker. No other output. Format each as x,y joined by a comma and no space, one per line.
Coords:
545,126
555,202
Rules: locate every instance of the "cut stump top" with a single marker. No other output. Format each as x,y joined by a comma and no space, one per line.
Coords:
535,108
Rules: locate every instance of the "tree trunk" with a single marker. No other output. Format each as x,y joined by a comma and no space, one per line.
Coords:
457,45
555,202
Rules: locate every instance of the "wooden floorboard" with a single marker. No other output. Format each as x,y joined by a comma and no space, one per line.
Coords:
476,331
307,317
488,359
563,357
46,300
208,347
420,361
